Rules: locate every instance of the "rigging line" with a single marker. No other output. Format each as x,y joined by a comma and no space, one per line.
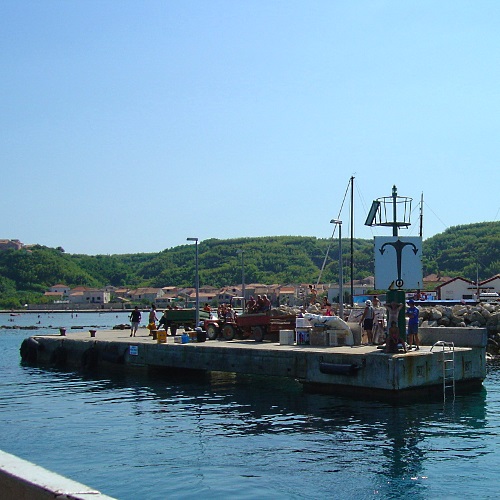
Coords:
326,256
363,205
437,217
414,225
333,234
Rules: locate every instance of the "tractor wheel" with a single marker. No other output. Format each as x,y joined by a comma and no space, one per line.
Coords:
228,332
258,333
212,332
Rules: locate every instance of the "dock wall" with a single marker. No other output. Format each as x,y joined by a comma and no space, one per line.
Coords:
362,368
460,336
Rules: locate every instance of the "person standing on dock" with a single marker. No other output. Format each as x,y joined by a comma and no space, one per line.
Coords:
266,303
164,321
152,319
367,321
412,312
313,295
135,319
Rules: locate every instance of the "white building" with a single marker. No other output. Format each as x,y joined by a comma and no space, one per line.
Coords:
490,285
360,287
96,296
456,289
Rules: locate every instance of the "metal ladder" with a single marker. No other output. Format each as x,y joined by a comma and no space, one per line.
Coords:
448,350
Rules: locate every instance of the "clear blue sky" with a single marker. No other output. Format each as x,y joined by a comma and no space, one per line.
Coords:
128,126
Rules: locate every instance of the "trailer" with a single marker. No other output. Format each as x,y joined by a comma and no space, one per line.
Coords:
186,318
257,325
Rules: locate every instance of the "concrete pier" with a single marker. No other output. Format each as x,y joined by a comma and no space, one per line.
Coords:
356,369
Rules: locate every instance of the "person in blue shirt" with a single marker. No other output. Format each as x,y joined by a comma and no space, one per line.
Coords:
412,313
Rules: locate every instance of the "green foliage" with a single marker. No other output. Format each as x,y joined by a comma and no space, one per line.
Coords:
465,251
35,269
26,274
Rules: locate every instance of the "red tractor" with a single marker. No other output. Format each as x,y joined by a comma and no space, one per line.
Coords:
244,325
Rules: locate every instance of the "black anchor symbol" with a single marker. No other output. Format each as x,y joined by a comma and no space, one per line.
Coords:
398,246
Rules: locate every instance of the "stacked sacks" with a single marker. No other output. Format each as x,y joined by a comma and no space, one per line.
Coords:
337,329
333,322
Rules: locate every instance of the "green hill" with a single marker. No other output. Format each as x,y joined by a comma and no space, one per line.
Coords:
26,274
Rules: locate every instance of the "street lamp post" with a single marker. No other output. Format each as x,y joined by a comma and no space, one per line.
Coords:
341,273
242,273
196,282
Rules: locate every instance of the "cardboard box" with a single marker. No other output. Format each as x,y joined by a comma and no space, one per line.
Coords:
332,338
318,336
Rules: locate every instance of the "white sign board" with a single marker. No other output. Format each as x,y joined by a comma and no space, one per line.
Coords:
398,263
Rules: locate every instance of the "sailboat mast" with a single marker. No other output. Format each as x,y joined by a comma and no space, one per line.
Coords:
421,215
352,241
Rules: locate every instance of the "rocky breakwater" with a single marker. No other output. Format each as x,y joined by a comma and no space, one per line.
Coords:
479,316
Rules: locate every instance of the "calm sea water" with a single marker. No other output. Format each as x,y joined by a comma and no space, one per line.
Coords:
227,436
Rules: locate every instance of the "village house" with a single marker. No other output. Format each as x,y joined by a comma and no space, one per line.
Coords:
54,296
96,296
122,293
76,295
456,289
204,298
463,289
446,288
60,289
287,295
148,294
359,287
170,294
255,289
227,293
490,285
432,281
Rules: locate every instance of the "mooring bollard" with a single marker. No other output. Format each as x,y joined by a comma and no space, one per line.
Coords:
62,331
92,333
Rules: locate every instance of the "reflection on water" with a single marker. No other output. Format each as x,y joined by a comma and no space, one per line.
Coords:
225,435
